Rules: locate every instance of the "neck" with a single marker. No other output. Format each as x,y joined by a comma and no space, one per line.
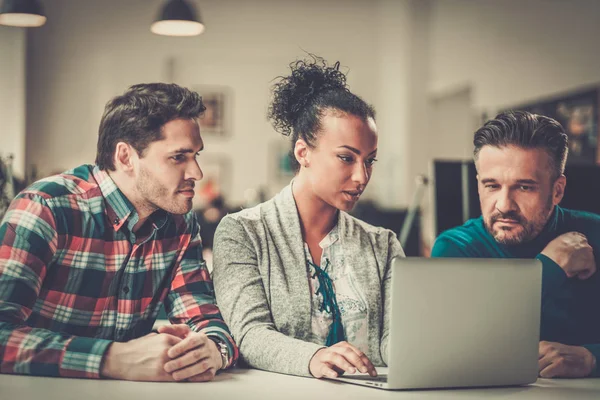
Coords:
127,186
317,218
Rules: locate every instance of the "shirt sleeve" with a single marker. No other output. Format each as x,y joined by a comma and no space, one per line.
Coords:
191,299
28,242
394,250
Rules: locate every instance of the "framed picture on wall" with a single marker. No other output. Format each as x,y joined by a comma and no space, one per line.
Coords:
578,113
216,118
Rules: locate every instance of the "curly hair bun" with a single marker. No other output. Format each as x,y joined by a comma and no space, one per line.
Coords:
295,93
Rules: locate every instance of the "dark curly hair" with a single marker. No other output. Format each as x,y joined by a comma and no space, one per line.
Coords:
302,98
528,131
137,116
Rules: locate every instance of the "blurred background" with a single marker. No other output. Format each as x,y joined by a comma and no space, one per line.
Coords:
435,70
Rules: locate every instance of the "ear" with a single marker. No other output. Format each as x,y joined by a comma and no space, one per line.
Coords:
125,156
302,153
558,189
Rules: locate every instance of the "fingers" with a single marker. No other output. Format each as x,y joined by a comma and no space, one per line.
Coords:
190,342
340,361
356,357
367,366
551,370
327,370
179,330
544,362
190,358
199,368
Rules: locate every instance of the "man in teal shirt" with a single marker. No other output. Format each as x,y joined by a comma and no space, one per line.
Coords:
520,159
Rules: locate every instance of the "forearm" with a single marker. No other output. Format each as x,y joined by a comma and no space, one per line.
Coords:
267,349
34,351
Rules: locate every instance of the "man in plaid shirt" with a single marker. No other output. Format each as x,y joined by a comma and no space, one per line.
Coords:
88,257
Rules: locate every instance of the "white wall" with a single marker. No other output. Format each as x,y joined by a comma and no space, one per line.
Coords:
90,51
512,51
404,57
12,96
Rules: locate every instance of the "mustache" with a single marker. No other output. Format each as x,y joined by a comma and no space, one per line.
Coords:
189,186
514,215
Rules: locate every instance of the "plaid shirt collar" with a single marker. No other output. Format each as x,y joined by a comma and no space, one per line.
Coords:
119,209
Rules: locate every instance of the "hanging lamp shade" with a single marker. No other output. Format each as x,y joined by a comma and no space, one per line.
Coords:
177,18
23,13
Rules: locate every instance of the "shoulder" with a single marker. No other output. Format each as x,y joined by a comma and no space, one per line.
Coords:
582,221
456,240
240,224
46,197
583,218
364,233
75,182
356,226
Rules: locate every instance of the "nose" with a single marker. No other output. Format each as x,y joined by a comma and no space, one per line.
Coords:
505,201
360,174
194,171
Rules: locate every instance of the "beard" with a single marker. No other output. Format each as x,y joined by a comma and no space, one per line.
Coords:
531,228
156,196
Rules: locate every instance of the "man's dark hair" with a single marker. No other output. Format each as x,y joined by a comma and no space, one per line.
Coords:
137,117
303,97
526,130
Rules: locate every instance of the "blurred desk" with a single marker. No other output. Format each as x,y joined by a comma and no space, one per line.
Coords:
255,384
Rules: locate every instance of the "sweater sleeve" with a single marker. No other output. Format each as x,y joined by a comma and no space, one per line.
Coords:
241,296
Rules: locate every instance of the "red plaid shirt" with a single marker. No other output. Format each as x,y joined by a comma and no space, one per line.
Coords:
74,276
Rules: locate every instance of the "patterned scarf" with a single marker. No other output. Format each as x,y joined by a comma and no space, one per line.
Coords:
329,304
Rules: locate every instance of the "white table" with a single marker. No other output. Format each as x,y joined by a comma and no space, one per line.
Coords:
254,384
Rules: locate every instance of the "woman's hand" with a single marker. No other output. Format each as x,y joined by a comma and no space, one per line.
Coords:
333,361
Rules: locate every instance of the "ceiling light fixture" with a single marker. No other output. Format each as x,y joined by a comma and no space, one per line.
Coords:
22,13
177,18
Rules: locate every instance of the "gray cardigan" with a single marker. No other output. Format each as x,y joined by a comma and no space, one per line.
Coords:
262,288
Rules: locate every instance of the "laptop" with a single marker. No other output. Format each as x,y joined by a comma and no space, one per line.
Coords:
461,323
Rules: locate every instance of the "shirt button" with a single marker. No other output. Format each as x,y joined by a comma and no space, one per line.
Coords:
116,221
126,289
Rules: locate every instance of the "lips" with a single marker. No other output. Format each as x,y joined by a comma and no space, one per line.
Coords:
353,194
187,192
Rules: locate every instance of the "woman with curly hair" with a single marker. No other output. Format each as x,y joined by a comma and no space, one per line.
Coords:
303,285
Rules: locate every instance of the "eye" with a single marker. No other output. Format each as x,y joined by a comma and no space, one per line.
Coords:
178,157
371,161
492,186
526,188
346,159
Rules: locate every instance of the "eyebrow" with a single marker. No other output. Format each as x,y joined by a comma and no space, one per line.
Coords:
187,150
356,151
519,181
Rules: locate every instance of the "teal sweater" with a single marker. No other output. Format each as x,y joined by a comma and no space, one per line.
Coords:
570,307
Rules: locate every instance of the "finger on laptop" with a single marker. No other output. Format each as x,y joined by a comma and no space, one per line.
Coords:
366,364
330,363
356,358
338,359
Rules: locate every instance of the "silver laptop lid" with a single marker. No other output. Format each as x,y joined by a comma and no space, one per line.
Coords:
464,322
